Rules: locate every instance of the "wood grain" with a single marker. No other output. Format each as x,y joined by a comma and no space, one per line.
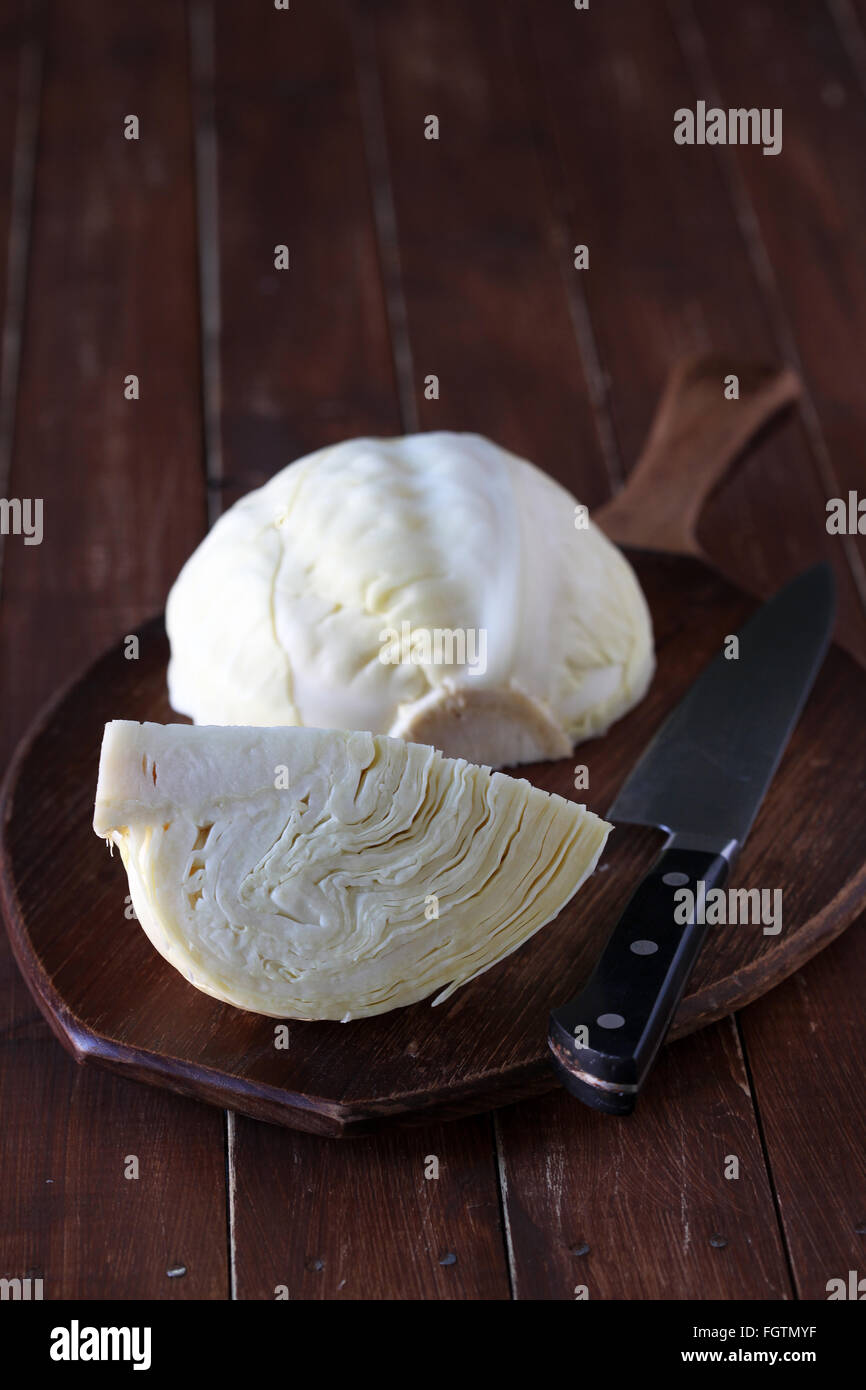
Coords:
305,356
487,307
20,71
643,1208
696,432
111,291
672,272
809,207
364,1221
803,1042
805,1048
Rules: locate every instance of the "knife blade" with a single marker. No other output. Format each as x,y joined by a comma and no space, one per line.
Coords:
701,779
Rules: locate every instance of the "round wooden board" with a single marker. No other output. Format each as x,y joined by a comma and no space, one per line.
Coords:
113,1000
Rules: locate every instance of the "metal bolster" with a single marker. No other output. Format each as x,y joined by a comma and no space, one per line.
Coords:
566,1059
684,839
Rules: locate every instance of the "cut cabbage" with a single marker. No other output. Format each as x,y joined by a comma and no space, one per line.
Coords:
313,874
436,588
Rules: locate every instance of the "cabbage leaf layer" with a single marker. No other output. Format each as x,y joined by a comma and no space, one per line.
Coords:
319,874
435,587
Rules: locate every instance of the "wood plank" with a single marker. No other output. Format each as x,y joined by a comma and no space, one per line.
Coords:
360,1220
13,39
20,71
111,292
803,210
306,358
671,272
849,17
491,307
809,204
642,1207
69,1213
805,1052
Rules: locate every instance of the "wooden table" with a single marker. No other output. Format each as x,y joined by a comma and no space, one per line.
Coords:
411,257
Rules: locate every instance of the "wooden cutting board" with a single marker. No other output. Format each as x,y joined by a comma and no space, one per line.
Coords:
112,1000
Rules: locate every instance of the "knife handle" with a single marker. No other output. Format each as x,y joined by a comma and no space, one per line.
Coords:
628,1004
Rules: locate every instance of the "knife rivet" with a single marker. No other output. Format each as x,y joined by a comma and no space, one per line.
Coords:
610,1020
644,948
675,880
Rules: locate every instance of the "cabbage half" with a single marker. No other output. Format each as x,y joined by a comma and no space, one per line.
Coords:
314,874
436,588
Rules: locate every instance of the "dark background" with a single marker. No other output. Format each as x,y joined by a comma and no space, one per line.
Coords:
411,257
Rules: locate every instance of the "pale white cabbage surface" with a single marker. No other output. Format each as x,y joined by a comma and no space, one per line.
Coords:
307,899
278,617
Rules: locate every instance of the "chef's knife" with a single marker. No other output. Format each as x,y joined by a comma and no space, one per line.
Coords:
701,779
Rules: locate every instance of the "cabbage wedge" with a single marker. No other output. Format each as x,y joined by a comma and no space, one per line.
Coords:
319,874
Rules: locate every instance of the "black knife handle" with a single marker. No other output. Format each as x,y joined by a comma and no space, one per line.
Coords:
630,1000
